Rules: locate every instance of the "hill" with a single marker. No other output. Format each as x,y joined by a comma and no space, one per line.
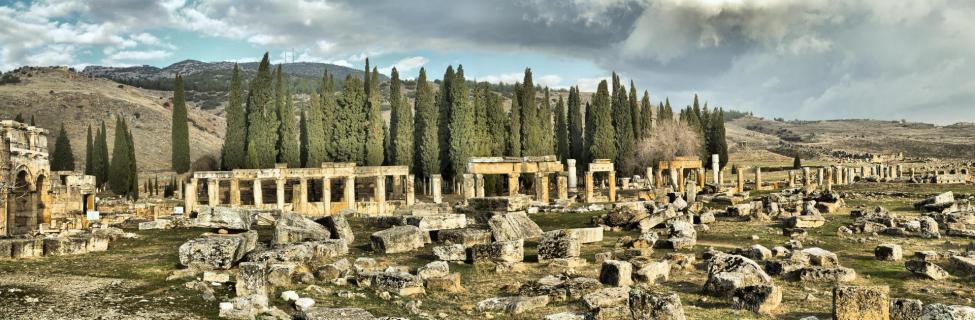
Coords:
57,95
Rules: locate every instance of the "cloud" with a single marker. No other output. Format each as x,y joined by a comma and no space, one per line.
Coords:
139,55
406,64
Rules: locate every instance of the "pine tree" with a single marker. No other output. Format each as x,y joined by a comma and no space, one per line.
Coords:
635,114
426,140
234,154
547,135
576,131
646,116
600,133
623,126
374,120
262,120
62,159
89,149
181,133
461,124
443,122
401,124
315,139
119,178
514,128
561,131
348,136
289,136
329,109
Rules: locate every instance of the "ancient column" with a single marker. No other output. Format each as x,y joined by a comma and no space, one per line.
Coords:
258,193
674,179
912,173
758,179
213,191
478,185
806,179
850,173
819,175
410,190
740,186
561,185
190,198
379,194
279,187
650,177
468,188
691,192
658,178
715,163
302,195
589,187
573,179
900,171
792,178
234,192
327,195
541,187
829,180
625,183
513,183
397,186
435,188
349,191
612,186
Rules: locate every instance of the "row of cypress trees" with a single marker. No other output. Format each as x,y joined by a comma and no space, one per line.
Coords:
120,170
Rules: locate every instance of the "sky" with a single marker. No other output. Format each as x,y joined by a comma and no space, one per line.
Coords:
795,59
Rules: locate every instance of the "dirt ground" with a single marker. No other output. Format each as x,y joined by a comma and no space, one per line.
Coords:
129,280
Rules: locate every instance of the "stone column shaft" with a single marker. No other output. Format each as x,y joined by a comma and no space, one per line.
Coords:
234,192
327,196
590,197
213,191
562,186
379,194
758,179
572,177
612,186
280,193
410,190
435,188
349,192
258,193
513,184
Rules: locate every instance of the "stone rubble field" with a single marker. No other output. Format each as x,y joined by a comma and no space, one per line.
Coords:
863,251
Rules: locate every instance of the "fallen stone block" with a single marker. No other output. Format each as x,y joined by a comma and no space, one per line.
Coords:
252,279
65,245
513,226
448,283
26,248
227,218
315,252
761,299
158,224
653,272
451,252
926,269
964,263
806,221
937,311
433,270
397,239
729,272
861,303
821,257
888,251
645,305
501,251
465,237
906,309
294,228
500,204
244,307
826,274
215,251
616,273
279,275
440,222
606,298
324,313
512,305
398,283
587,235
557,244
338,227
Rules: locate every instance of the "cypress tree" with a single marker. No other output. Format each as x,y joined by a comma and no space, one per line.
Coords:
547,135
303,132
482,135
262,120
646,116
600,133
119,178
289,135
623,126
497,120
19,118
100,156
401,124
576,131
374,120
32,122
89,148
635,114
328,116
461,124
443,122
348,135
718,143
62,159
426,140
531,124
181,133
315,140
796,162
235,137
514,127
561,131
133,171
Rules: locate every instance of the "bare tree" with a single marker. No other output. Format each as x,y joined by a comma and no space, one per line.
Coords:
670,139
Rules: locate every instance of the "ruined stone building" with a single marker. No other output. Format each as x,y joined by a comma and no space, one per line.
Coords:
24,178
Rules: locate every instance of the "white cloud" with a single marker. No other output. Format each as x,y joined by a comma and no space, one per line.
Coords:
139,55
405,64
507,78
590,84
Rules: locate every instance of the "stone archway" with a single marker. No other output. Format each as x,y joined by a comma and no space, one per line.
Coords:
21,205
41,190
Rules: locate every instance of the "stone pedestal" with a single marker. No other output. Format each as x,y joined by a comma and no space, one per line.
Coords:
573,179
435,188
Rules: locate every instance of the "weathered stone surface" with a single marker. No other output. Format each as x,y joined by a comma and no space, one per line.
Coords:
606,297
729,272
244,307
433,270
226,218
501,251
338,226
761,299
65,245
324,313
512,305
926,269
616,273
214,251
439,222
653,272
26,248
252,279
936,203
305,252
806,221
294,228
756,252
448,283
466,237
645,305
587,235
398,283
566,316
450,252
513,226
937,311
826,274
861,303
888,251
906,309
557,244
158,224
279,275
821,257
683,236
397,239
964,263
500,204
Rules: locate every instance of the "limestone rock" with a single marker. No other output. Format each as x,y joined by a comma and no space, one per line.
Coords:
324,313
606,297
937,311
821,257
616,273
252,279
466,237
729,272
339,227
500,204
305,252
888,251
512,305
926,269
557,244
438,222
682,236
587,235
226,218
964,263
433,270
513,226
397,239
861,302
398,283
653,272
214,251
501,251
806,221
452,252
906,309
294,228
645,305
826,274
448,283
762,299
